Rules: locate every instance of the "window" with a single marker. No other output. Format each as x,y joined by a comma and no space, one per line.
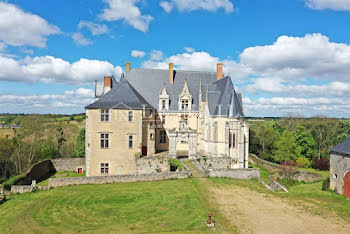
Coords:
104,115
184,104
130,116
163,119
163,104
104,140
232,140
104,167
131,141
151,136
162,138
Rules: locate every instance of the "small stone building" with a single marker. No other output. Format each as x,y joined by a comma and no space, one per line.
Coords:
340,168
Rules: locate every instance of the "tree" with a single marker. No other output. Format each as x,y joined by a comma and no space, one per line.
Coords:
6,150
342,131
267,136
79,149
286,148
305,142
322,129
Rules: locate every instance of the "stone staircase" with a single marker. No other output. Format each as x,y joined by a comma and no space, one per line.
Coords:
194,169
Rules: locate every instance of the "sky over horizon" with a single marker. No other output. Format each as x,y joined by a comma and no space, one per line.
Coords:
284,56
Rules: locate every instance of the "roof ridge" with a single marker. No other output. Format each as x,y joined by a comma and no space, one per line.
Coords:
177,70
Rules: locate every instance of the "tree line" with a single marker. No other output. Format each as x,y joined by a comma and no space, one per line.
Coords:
298,141
38,138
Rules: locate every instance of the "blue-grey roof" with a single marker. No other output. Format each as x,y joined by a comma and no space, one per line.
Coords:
149,83
121,96
343,148
143,87
223,99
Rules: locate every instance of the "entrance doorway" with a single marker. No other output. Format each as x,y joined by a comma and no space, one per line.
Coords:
347,184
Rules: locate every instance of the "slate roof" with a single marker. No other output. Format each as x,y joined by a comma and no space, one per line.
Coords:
343,148
121,96
149,83
143,86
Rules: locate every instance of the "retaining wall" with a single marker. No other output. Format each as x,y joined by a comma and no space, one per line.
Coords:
216,162
68,164
148,165
244,173
26,188
58,182
262,163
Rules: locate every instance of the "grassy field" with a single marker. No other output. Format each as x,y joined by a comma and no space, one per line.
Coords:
164,206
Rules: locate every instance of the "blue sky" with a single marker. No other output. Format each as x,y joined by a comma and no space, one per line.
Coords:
284,56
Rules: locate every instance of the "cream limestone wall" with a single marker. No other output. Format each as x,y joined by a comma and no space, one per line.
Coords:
172,122
120,157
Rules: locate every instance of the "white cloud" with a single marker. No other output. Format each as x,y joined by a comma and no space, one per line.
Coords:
308,107
49,69
95,29
189,49
291,58
192,5
167,6
21,28
338,5
138,53
72,101
127,11
199,61
79,39
156,55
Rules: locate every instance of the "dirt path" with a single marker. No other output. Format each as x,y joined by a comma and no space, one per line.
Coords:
253,212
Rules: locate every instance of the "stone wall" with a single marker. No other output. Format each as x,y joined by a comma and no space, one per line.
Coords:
277,186
245,173
26,188
58,182
262,163
301,176
68,164
216,162
149,165
339,166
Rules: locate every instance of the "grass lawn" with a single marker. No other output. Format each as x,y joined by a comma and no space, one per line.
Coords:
162,206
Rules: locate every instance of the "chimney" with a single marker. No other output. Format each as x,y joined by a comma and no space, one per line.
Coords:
219,74
107,84
127,66
171,73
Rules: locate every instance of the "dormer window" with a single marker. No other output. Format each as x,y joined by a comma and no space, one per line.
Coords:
185,98
164,101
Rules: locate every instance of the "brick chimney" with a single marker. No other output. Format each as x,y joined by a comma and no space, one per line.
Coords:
219,73
171,73
107,84
127,66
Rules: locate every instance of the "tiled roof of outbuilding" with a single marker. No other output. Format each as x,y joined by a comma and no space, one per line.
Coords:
343,148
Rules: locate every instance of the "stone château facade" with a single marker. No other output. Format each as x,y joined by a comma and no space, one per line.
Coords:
186,113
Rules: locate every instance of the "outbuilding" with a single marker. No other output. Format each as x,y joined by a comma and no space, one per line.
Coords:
340,168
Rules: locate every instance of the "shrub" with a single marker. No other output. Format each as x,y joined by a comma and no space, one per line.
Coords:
325,184
290,164
322,164
175,164
303,162
137,155
12,181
